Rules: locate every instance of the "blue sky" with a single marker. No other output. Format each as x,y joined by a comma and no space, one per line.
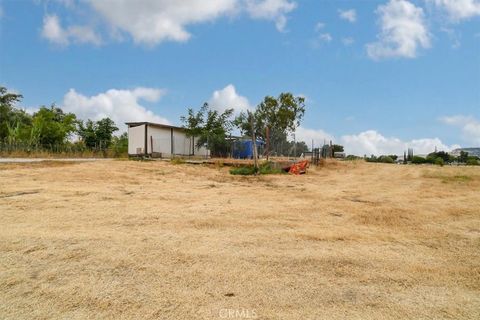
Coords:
378,76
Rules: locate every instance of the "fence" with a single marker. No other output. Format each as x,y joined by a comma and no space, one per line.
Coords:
70,149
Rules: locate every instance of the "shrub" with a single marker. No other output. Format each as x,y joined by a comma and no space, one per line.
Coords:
439,162
264,168
418,160
177,161
351,157
385,159
243,171
473,162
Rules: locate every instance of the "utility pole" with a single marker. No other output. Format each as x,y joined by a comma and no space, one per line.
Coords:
294,147
268,141
254,142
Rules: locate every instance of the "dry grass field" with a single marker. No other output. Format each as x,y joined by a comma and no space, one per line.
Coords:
153,240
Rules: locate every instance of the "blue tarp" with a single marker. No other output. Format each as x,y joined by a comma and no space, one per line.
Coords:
243,149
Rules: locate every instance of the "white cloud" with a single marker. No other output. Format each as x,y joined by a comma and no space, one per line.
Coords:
454,37
229,98
403,31
348,41
275,10
119,105
458,9
325,37
349,15
372,142
319,26
151,22
55,33
320,39
470,127
317,135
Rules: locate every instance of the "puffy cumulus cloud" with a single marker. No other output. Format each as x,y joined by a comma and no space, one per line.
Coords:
53,31
458,9
151,22
317,135
275,10
349,15
227,98
119,105
470,127
403,31
372,142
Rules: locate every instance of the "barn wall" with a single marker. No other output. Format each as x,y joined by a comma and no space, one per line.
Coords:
182,145
161,140
136,139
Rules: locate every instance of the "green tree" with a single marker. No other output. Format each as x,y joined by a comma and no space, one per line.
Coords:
439,161
120,144
273,119
53,126
463,156
14,123
209,127
337,148
97,135
418,160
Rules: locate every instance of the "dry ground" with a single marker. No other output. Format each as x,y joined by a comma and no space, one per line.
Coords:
153,240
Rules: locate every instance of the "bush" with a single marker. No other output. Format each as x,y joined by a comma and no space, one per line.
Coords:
267,168
439,162
385,159
243,171
177,161
473,162
351,157
418,160
264,168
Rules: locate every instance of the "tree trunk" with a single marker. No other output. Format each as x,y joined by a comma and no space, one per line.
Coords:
254,142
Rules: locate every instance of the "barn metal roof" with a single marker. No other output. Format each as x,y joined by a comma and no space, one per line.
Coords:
153,124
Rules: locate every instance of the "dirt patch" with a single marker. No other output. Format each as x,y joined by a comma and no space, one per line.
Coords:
150,240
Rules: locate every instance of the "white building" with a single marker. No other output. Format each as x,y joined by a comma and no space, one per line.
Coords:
161,140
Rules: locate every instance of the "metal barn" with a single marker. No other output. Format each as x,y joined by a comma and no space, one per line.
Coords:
161,140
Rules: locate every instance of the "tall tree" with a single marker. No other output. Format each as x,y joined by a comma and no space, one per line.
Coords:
209,127
53,126
11,119
97,134
275,118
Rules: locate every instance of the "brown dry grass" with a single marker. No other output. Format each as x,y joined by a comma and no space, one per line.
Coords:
131,240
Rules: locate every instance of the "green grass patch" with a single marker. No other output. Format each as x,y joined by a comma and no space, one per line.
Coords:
456,178
264,168
177,161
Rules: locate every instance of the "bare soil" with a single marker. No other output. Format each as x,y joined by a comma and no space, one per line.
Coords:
133,240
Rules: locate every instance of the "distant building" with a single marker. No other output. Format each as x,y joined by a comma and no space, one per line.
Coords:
161,140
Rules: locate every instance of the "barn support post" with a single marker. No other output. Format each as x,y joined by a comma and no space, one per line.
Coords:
146,139
151,145
171,143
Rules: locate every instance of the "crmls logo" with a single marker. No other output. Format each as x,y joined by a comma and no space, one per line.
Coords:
237,314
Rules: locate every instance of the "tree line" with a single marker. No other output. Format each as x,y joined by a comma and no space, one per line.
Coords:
51,129
272,121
